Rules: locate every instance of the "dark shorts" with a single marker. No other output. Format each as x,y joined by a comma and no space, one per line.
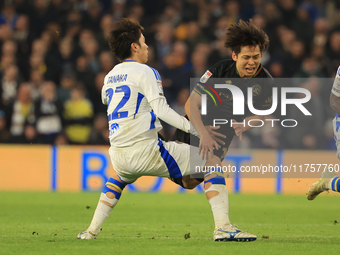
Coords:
183,137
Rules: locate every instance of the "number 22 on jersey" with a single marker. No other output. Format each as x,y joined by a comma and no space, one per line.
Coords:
127,92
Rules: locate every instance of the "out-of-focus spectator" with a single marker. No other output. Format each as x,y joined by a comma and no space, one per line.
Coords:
321,28
309,131
23,38
232,11
333,51
100,131
182,98
98,106
67,82
84,74
6,61
310,67
303,26
136,12
5,135
276,68
9,15
47,114
9,84
21,30
199,61
66,56
194,36
5,32
9,47
219,52
90,49
40,15
293,60
73,24
103,34
164,40
78,114
91,18
37,63
174,77
106,61
36,80
21,114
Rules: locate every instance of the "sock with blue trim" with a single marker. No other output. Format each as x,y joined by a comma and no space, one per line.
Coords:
105,205
335,184
219,203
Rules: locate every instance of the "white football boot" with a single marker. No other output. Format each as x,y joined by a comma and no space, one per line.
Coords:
232,233
86,235
322,184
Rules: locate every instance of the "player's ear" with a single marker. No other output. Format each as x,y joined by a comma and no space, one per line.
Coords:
133,47
234,56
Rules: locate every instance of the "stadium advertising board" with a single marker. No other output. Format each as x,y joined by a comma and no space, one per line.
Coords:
83,168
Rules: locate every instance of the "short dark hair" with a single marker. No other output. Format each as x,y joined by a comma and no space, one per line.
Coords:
124,33
245,34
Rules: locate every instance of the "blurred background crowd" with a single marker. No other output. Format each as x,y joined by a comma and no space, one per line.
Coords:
54,56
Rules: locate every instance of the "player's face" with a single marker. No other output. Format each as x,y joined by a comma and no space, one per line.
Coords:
142,50
248,60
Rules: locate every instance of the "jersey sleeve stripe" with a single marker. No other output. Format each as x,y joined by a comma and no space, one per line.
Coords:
197,91
153,119
157,75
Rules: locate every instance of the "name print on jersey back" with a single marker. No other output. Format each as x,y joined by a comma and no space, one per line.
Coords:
117,78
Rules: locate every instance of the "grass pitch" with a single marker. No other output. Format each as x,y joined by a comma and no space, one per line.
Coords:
47,223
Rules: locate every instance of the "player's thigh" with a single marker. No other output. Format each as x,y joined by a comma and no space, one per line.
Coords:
153,158
186,157
130,163
222,151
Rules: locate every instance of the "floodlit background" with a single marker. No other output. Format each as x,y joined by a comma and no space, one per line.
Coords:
57,50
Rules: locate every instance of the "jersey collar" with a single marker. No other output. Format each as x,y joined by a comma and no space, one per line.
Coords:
129,61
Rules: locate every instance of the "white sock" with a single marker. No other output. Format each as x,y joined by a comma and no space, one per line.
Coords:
329,184
220,206
103,210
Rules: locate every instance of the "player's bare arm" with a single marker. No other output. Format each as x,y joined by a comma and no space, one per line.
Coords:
192,107
214,135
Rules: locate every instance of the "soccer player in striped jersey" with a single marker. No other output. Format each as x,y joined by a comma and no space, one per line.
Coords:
135,102
329,179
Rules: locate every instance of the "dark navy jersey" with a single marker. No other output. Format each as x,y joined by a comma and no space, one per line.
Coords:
220,100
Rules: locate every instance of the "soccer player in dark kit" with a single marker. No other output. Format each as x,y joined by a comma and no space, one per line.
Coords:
244,71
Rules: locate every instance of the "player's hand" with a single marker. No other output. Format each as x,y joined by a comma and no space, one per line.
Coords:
214,135
207,146
239,128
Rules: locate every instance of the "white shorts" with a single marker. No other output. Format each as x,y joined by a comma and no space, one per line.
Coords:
154,158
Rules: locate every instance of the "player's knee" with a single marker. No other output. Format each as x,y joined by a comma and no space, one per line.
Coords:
189,185
213,161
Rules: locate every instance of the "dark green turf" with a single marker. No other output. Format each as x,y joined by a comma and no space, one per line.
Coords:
157,224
